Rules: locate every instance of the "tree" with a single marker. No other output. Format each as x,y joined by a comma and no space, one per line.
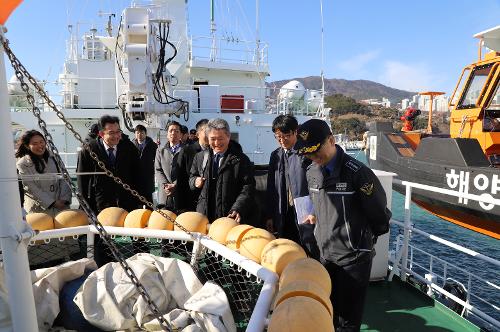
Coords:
352,126
341,104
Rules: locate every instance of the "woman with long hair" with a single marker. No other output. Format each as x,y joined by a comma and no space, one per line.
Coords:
44,194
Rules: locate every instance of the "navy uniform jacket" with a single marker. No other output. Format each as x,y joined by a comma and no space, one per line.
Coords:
350,207
276,203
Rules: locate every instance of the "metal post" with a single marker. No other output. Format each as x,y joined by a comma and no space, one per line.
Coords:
90,244
15,254
406,239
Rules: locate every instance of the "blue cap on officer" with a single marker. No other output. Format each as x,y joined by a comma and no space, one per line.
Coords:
310,135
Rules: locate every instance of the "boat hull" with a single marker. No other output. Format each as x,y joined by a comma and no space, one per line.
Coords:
453,164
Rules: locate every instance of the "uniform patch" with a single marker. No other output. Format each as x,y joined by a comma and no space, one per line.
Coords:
341,186
352,165
367,188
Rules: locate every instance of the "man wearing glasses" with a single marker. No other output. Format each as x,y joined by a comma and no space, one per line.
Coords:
286,183
121,157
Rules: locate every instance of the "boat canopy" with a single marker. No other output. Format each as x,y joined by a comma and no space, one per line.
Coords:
491,38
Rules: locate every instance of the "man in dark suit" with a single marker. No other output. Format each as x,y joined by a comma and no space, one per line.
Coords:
187,198
282,188
147,152
121,157
224,174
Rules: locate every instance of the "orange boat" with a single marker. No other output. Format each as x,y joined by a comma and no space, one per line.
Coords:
467,160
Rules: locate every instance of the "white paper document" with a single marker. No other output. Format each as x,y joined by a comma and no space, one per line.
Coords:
303,208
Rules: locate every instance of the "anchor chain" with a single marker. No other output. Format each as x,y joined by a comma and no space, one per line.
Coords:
21,73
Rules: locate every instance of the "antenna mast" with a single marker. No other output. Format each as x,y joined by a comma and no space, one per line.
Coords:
257,37
213,49
322,105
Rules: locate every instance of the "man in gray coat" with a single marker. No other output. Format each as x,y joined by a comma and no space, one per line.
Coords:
166,167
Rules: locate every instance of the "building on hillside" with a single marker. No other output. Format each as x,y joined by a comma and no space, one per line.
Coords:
384,102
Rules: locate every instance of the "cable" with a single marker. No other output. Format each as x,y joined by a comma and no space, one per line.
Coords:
116,47
126,119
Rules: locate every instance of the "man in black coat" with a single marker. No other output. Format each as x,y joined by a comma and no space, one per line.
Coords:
286,181
121,157
187,198
147,152
224,175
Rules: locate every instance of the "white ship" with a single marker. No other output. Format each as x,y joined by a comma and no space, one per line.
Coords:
100,78
147,69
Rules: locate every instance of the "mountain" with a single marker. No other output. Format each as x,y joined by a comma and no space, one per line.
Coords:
357,89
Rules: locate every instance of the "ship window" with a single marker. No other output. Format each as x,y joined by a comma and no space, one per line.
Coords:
495,100
491,121
460,87
475,86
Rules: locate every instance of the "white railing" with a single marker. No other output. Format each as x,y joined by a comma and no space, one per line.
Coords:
403,261
228,50
245,266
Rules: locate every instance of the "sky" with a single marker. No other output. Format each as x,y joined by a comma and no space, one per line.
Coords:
410,45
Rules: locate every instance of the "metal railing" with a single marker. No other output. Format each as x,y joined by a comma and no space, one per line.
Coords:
228,50
245,266
404,264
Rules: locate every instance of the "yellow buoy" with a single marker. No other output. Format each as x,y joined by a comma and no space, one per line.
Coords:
253,242
71,218
219,228
157,221
112,216
304,288
234,236
40,221
137,218
278,253
192,221
299,314
306,269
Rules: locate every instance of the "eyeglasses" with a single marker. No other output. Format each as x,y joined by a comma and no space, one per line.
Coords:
283,136
113,133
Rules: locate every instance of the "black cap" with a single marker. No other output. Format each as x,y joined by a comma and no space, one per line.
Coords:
192,131
310,135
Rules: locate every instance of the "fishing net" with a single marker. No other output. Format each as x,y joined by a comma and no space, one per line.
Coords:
242,288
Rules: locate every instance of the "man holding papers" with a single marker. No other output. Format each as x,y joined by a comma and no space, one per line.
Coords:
289,207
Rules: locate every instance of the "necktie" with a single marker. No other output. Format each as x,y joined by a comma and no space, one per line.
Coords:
287,178
215,169
111,156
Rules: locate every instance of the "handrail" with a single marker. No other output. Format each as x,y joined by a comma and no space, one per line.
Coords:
450,244
400,260
484,199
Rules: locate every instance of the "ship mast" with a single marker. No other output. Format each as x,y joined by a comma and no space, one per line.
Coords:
431,95
322,104
257,37
213,49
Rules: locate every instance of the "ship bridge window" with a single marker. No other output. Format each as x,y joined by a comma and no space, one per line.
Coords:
491,121
460,87
475,86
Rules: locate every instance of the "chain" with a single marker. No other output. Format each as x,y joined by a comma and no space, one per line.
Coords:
462,126
21,73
